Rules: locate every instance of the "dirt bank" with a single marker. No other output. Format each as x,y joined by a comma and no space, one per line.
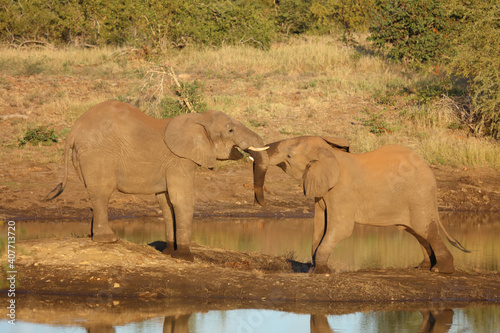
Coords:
81,267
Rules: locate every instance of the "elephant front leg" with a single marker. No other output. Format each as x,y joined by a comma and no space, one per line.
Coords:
180,189
337,228
183,228
319,224
168,217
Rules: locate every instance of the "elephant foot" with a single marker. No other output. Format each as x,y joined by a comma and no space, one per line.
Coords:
321,269
443,268
424,265
183,253
105,238
169,250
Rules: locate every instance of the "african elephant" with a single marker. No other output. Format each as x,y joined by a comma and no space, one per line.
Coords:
389,186
118,147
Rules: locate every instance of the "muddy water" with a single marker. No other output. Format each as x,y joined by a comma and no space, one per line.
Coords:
368,247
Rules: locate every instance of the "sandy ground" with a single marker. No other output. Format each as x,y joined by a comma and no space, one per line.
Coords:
79,266
123,273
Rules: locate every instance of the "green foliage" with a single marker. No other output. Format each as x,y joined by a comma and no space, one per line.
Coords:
386,98
189,95
38,135
410,30
32,66
293,16
375,121
142,22
162,24
478,60
321,16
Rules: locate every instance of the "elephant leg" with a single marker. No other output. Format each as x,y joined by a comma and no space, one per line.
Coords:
338,228
437,257
176,324
429,257
319,324
180,188
101,231
444,258
167,210
319,224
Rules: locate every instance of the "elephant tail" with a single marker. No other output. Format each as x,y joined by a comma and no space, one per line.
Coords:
452,240
60,187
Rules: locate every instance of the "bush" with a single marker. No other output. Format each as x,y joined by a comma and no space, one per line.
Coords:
478,60
410,30
38,135
321,16
375,121
190,95
137,22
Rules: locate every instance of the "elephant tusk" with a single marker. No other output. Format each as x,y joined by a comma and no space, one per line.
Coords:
258,149
251,158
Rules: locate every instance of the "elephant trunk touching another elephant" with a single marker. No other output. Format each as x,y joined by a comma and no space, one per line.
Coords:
115,146
389,186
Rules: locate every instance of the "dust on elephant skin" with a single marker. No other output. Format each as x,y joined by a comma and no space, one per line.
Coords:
391,186
115,146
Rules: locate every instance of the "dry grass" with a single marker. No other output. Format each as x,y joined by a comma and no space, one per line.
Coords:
313,86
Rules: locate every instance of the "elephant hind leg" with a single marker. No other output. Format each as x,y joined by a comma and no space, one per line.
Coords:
444,258
429,256
437,257
101,231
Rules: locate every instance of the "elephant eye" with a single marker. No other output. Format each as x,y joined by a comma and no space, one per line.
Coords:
231,130
288,156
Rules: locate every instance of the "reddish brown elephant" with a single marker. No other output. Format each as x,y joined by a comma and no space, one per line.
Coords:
115,146
391,186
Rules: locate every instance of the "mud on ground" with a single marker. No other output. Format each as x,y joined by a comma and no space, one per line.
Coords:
79,266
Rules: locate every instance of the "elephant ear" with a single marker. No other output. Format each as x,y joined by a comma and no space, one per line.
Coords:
337,142
321,174
186,137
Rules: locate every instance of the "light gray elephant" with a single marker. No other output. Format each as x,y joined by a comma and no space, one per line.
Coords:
118,147
389,186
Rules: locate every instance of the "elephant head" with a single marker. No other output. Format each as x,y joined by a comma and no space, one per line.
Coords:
209,136
306,158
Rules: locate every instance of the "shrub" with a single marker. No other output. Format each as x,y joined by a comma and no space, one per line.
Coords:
140,22
477,58
410,30
38,135
375,121
190,95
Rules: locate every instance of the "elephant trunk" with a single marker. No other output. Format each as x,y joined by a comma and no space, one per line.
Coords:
262,160
255,146
260,165
249,140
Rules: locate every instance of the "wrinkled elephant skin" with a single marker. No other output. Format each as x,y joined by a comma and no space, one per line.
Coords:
391,186
115,146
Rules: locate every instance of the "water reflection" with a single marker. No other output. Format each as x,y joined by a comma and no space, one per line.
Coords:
368,247
319,324
436,321
70,314
176,324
